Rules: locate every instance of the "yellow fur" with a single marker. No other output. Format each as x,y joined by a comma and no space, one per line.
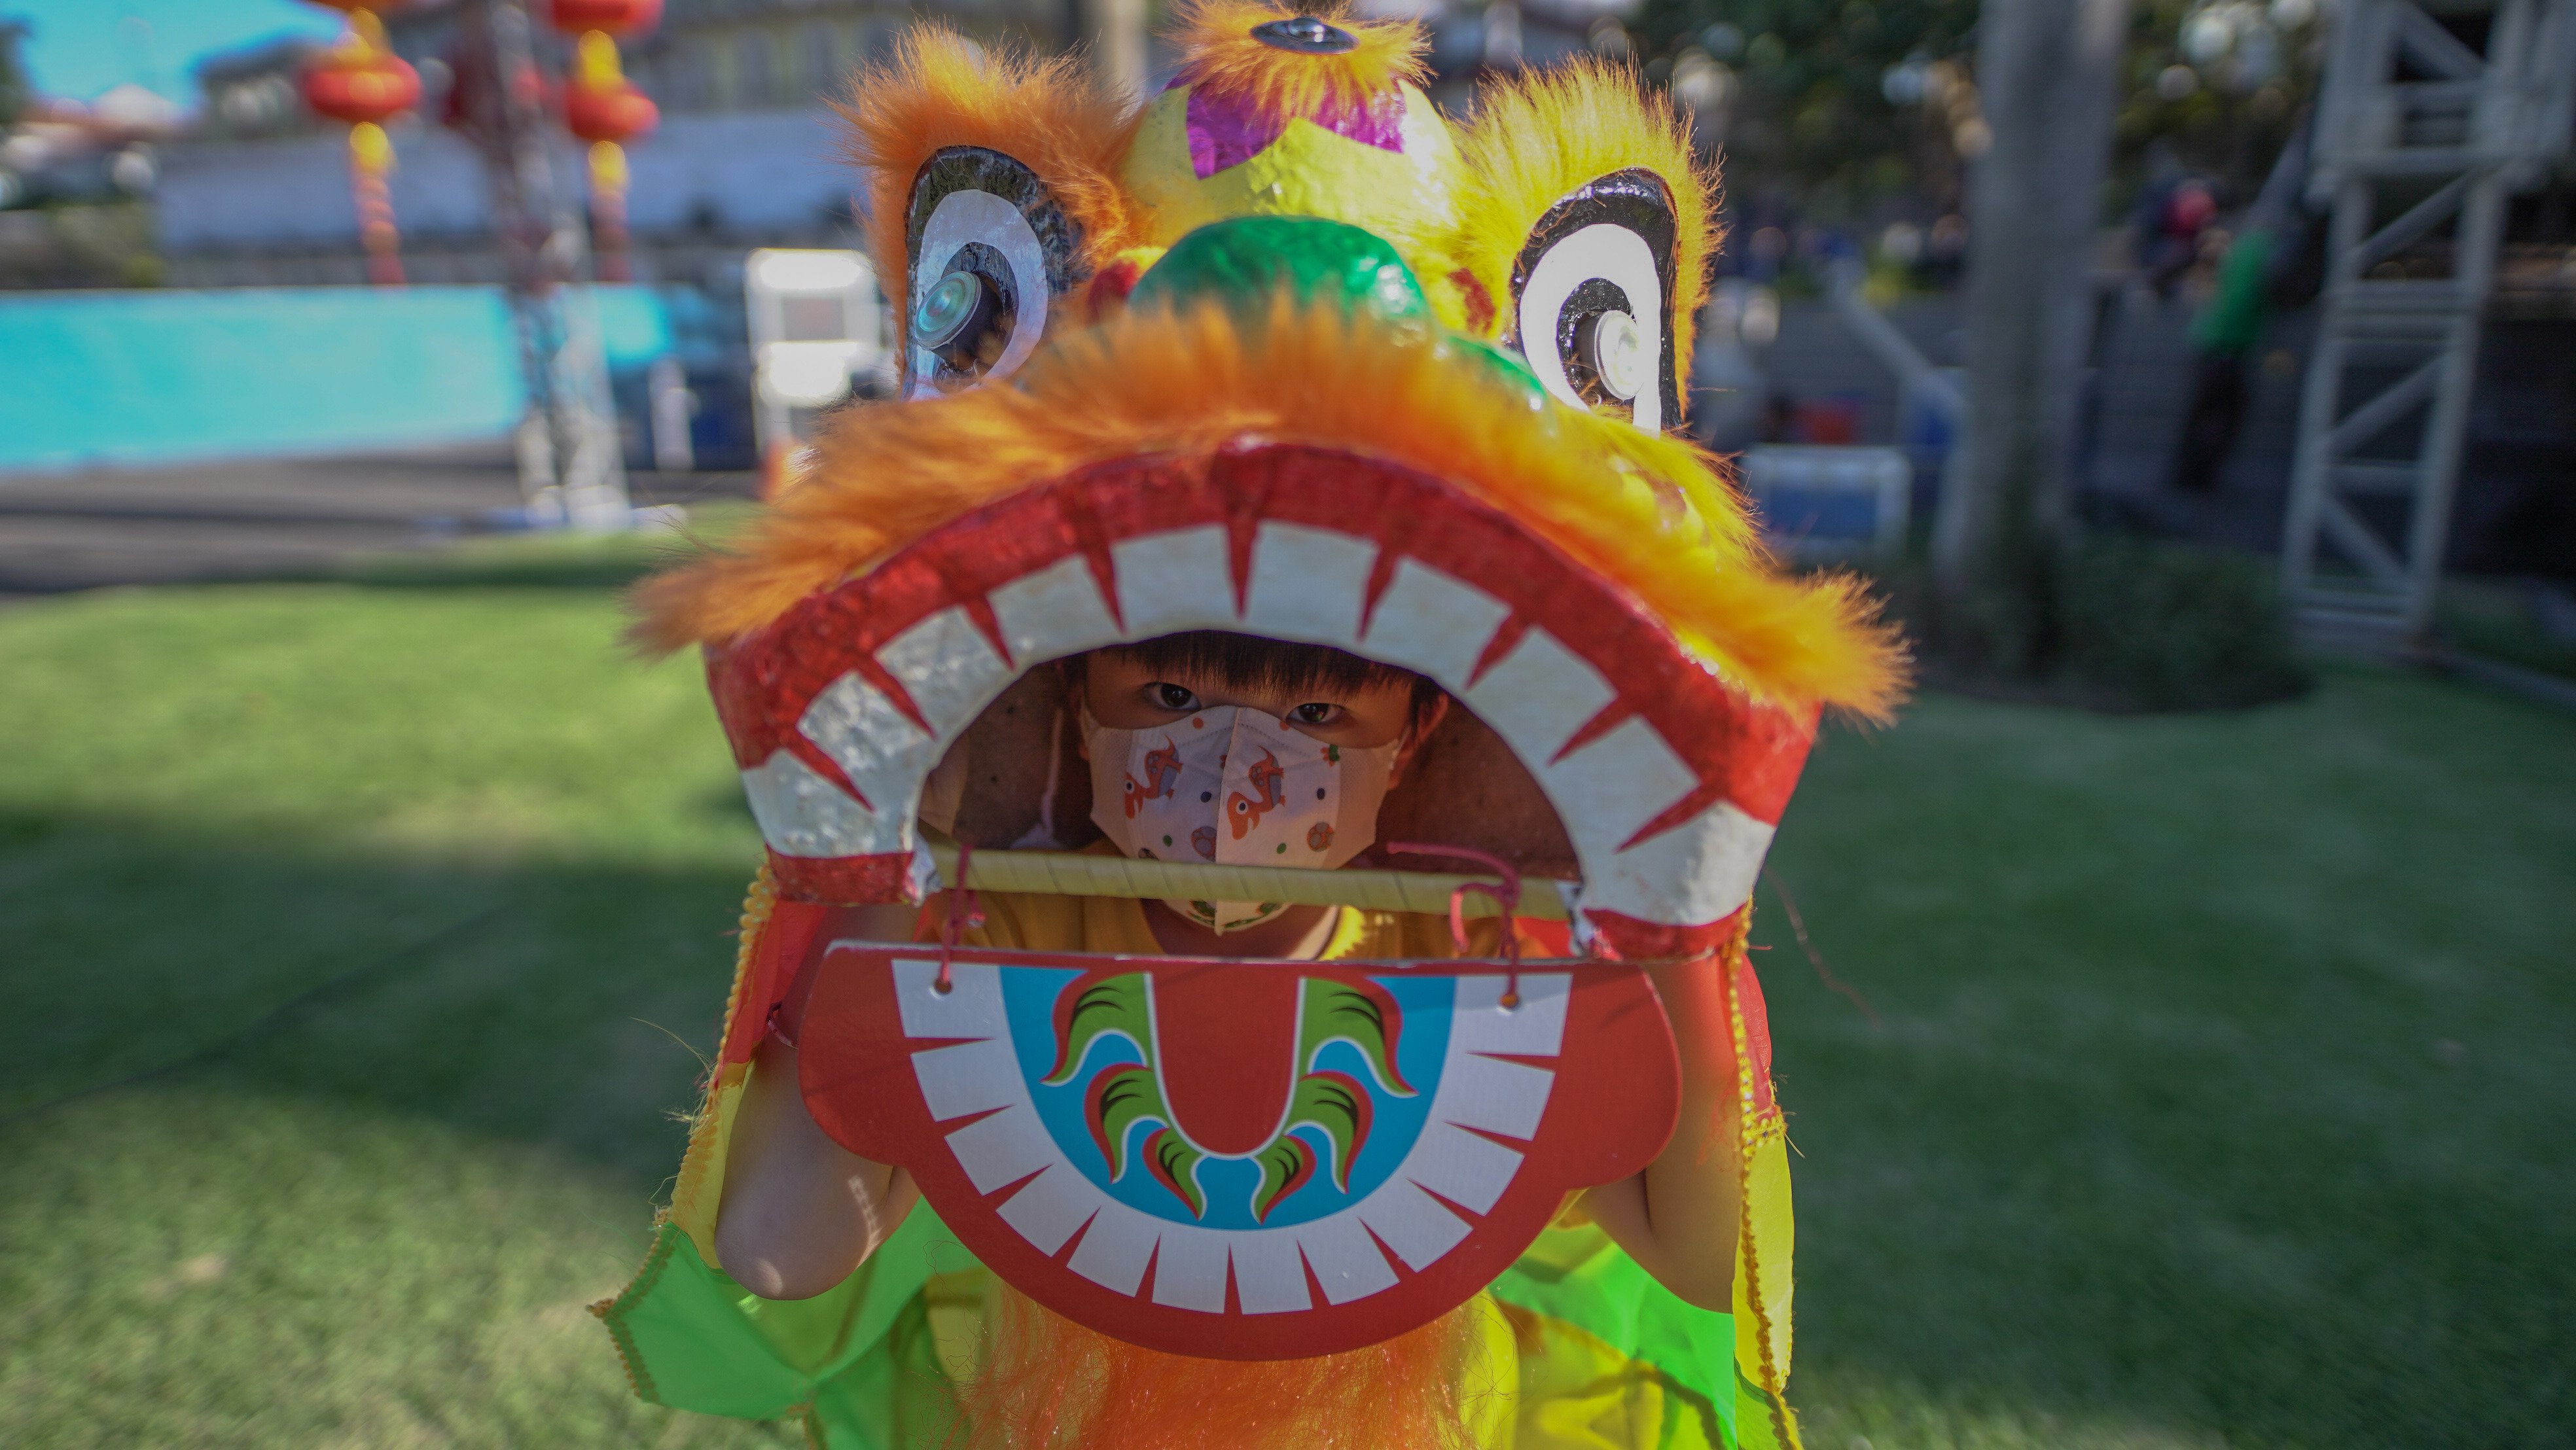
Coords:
1653,514
939,90
1535,140
1220,55
1406,196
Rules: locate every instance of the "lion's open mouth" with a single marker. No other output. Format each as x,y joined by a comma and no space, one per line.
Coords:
1624,763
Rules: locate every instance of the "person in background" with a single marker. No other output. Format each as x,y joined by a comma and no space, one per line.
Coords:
2253,277
2174,209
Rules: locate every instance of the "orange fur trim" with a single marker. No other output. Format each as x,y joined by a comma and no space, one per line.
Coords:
1220,55
1652,513
940,89
1536,139
1050,1384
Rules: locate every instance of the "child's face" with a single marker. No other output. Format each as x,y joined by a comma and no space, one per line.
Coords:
1127,695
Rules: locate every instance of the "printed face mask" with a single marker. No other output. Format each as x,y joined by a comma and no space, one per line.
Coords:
1234,786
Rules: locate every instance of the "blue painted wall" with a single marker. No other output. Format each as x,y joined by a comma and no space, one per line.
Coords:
91,378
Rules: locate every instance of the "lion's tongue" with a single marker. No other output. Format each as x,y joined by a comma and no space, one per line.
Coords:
1228,1037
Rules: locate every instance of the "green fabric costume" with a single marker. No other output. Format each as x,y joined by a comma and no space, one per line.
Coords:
1621,1361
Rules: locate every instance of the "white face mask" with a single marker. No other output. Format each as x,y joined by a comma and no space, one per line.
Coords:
1234,786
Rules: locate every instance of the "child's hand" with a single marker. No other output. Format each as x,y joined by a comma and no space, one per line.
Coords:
800,1211
1681,1217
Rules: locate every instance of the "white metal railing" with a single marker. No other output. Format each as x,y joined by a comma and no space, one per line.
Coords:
2483,127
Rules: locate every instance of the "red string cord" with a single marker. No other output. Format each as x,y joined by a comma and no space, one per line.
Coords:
1506,894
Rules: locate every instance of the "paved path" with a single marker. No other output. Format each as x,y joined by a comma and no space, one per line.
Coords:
65,531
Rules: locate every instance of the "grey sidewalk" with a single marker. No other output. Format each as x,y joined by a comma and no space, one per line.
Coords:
244,518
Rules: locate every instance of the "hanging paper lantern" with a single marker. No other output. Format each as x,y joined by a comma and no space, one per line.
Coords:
608,211
364,83
617,17
613,110
358,80
371,160
604,108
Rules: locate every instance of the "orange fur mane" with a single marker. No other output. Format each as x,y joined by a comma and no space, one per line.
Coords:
1047,1383
940,90
1653,514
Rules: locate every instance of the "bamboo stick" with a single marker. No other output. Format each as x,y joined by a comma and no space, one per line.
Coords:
1068,873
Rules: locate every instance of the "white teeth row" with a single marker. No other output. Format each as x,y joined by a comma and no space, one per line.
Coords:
979,1072
1306,584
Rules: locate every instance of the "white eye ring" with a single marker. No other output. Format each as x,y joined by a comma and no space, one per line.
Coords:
962,219
1622,258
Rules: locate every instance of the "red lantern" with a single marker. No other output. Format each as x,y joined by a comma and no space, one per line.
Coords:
614,111
604,108
617,17
360,84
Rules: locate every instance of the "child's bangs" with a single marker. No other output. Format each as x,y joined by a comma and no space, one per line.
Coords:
1249,662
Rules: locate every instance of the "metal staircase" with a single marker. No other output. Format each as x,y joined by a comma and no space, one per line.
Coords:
2417,131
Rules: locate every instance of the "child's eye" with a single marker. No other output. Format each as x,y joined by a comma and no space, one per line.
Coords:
1315,713
1171,696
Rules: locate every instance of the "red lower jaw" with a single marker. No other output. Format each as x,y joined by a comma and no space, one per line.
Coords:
1578,1085
1666,778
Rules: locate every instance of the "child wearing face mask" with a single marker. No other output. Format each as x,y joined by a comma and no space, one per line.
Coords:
1237,750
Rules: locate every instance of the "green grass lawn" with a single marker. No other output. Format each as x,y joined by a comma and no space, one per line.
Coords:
2498,620
361,937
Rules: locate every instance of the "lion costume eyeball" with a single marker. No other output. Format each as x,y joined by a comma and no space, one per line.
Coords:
1284,355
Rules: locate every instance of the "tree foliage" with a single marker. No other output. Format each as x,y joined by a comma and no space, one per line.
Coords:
1843,106
1808,105
15,89
2228,112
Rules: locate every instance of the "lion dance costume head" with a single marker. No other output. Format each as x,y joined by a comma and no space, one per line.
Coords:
1285,352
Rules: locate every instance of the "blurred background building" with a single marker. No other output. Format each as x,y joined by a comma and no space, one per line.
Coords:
1849,130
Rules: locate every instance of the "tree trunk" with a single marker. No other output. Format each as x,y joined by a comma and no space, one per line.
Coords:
1115,30
2050,74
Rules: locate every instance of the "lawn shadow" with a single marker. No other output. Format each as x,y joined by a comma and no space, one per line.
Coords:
2222,1092
331,1150
565,1005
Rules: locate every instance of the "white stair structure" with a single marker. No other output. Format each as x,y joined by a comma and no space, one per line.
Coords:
2415,130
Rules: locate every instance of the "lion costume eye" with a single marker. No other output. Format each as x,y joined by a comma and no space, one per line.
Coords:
1593,295
988,250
